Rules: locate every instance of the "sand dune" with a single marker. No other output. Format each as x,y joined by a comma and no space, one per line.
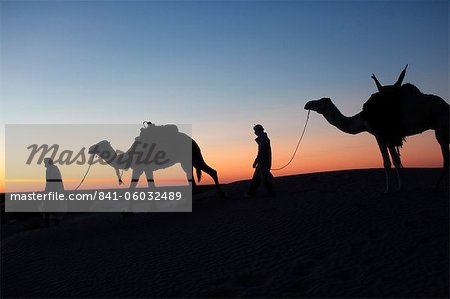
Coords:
324,235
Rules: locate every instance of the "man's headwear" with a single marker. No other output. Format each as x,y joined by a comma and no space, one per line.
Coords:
258,128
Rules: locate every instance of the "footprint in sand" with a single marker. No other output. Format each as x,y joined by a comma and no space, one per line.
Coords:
302,268
223,292
412,224
356,248
427,240
319,255
410,250
250,280
298,287
344,275
373,234
426,215
369,261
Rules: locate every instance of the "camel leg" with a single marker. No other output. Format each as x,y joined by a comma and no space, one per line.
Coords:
150,180
443,142
135,177
213,173
398,165
444,172
386,161
187,168
134,180
192,179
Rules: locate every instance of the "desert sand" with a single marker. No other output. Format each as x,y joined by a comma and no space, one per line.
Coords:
332,234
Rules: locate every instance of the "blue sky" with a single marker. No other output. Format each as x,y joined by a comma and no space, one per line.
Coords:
219,65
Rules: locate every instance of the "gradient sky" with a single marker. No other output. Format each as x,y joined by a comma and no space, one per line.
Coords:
223,66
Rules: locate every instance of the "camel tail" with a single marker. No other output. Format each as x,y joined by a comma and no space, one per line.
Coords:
199,174
397,149
197,159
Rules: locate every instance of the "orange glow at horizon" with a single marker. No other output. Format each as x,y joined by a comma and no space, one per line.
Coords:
337,151
317,154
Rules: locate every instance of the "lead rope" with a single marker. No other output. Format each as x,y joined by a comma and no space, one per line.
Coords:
292,158
298,143
87,171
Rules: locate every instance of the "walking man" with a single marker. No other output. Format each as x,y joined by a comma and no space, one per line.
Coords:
54,182
262,164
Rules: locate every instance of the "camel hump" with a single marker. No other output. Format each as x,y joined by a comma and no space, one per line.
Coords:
383,113
153,130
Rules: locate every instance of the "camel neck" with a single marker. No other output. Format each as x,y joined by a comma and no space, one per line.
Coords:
351,125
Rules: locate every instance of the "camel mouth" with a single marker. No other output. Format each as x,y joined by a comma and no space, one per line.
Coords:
93,149
98,147
309,105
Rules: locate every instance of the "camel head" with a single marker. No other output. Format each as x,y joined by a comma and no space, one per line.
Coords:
102,149
320,106
397,84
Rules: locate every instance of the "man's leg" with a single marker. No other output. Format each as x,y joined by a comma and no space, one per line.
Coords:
268,182
45,219
256,180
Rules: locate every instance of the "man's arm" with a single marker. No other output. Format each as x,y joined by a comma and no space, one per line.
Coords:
255,163
258,157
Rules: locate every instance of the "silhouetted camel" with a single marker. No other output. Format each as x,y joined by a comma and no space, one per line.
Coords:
110,156
391,114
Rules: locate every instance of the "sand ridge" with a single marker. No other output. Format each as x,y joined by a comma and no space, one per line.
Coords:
324,235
